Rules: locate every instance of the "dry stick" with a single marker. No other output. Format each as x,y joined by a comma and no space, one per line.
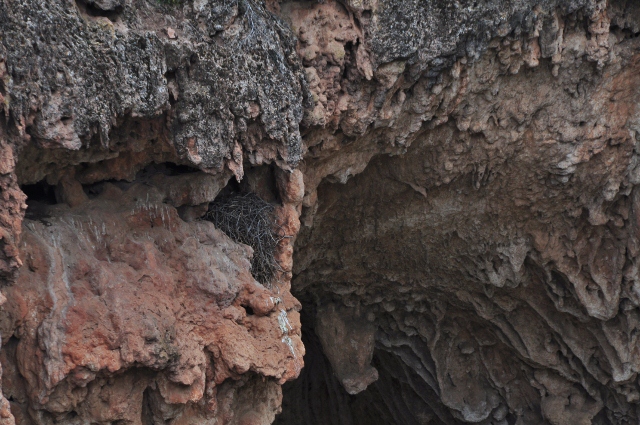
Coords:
248,219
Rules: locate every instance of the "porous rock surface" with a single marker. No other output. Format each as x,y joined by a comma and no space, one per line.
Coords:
495,252
122,306
121,284
456,191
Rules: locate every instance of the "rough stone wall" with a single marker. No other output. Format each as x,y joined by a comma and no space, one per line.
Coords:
458,179
121,284
122,307
495,253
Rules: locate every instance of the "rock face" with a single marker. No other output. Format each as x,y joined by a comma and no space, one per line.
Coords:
121,284
455,189
495,253
122,307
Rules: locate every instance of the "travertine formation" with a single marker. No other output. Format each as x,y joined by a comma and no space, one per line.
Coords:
455,191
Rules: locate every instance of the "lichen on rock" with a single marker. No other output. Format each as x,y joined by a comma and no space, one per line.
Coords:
455,180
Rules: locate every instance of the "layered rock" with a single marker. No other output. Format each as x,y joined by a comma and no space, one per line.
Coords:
495,252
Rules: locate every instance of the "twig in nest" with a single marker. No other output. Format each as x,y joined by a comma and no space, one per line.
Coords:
248,219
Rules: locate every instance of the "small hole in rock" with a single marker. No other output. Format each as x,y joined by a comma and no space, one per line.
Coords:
39,196
89,8
40,192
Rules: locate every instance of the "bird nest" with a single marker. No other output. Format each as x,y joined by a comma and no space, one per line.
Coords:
248,219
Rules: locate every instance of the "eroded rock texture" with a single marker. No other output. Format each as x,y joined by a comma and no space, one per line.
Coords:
122,284
495,252
122,306
458,179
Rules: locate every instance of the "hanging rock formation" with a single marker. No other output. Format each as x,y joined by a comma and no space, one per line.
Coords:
495,251
455,191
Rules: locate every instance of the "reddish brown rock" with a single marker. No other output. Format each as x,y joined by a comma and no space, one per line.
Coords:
467,207
121,283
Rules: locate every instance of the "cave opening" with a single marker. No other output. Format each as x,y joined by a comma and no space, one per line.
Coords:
316,397
40,196
91,9
40,193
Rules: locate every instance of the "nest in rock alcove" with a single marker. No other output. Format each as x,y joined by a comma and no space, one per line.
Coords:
248,219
